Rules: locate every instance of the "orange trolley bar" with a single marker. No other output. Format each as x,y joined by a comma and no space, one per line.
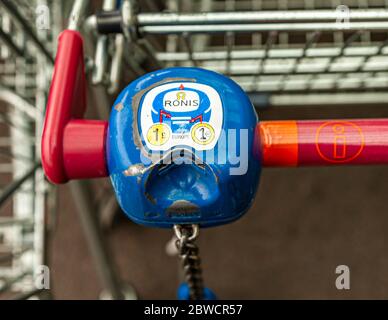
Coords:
323,142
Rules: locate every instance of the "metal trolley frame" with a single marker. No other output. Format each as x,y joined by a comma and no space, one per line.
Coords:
281,52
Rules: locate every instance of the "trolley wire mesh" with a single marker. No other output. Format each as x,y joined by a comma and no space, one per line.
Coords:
25,55
279,49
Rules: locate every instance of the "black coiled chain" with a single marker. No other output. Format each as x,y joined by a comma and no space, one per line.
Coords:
189,255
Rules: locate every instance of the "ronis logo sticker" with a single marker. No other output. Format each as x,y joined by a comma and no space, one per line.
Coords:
181,114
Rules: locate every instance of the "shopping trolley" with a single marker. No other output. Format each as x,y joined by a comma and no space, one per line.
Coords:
278,52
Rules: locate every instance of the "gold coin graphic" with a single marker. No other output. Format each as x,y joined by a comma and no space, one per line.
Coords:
158,134
202,133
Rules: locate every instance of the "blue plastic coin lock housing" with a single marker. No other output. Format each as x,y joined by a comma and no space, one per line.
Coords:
180,149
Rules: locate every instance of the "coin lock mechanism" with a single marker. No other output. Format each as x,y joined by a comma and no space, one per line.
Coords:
180,149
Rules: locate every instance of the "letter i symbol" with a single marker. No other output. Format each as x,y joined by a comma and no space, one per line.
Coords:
339,146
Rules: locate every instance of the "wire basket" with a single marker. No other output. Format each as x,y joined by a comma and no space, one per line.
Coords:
281,52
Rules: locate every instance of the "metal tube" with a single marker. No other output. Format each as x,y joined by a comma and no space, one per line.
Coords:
246,28
83,199
77,11
324,83
116,66
259,21
100,60
14,100
247,17
314,99
6,27
101,55
27,29
274,67
11,44
274,53
14,186
270,41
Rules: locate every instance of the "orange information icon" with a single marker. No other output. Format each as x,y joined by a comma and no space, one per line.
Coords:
339,141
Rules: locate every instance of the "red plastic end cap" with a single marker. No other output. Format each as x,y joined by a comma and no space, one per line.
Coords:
84,149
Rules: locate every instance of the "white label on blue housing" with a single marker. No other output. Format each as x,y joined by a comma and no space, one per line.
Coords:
181,113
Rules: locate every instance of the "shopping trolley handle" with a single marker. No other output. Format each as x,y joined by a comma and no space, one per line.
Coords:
322,142
72,148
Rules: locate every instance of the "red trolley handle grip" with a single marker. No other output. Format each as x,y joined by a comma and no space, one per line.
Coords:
72,148
322,142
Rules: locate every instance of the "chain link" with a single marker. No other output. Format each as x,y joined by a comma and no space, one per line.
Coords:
189,255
